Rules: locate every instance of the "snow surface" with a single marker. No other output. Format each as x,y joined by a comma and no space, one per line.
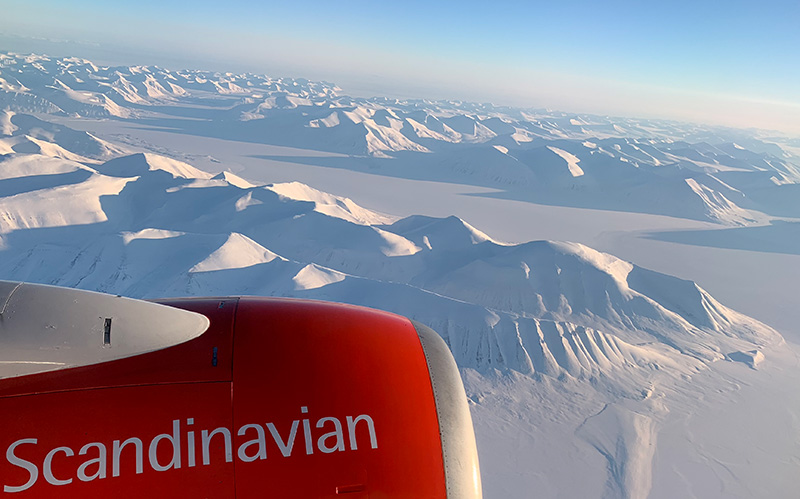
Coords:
637,166
572,161
236,253
577,363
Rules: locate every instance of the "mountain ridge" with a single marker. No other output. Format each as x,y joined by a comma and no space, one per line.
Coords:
650,166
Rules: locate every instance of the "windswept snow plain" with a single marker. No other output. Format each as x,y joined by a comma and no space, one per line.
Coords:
588,375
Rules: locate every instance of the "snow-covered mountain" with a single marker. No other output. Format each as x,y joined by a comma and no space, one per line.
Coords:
577,363
561,346
712,174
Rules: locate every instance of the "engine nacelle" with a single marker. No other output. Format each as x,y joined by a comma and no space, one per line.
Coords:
103,396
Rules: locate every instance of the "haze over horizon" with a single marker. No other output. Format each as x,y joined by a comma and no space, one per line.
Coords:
689,61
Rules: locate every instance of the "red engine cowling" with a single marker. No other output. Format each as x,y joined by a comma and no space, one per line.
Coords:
103,396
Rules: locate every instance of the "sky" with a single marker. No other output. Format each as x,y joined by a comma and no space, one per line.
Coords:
733,63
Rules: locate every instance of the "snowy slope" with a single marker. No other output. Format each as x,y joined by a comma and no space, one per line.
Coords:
711,174
419,256
572,348
588,375
27,134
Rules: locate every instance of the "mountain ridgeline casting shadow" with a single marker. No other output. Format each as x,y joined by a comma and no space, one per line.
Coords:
641,193
778,237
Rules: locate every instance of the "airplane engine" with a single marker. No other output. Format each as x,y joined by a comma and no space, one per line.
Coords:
103,396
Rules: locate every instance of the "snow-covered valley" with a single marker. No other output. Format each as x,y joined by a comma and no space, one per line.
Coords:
150,183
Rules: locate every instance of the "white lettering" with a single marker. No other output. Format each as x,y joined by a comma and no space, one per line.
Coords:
100,461
307,432
175,440
206,441
47,468
95,464
190,443
260,440
286,449
33,471
351,428
137,444
337,432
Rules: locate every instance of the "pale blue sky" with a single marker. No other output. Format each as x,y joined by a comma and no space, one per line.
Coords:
729,62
